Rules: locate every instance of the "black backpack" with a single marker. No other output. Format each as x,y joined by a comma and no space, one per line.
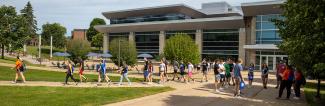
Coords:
23,67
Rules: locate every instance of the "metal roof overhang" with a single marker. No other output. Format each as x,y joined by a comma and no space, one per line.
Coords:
234,22
261,47
178,8
262,8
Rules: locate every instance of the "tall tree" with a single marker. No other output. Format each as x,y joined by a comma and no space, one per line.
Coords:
91,32
8,17
181,47
128,52
31,23
98,40
78,49
303,34
55,30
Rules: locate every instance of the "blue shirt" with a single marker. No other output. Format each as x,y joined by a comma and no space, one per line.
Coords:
125,70
103,67
237,69
182,67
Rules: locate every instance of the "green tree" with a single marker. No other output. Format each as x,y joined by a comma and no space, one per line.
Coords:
97,40
91,32
31,23
55,30
303,34
181,47
128,52
78,49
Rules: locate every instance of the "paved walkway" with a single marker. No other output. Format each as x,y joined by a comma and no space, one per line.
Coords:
203,94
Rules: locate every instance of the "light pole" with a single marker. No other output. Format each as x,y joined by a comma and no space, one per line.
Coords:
39,48
51,47
119,52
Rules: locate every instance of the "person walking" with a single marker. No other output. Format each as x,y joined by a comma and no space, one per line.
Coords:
286,82
124,74
217,77
19,67
166,69
299,80
103,71
190,69
162,68
204,70
150,72
231,65
228,75
238,77
175,66
264,75
81,70
182,72
250,74
279,70
222,75
69,73
145,69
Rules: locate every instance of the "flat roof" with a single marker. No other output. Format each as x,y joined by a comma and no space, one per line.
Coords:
233,22
177,8
262,8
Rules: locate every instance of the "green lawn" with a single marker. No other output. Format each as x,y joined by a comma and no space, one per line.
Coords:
310,92
11,60
8,74
73,96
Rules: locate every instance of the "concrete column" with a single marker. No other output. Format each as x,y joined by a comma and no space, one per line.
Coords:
198,40
253,31
162,38
242,40
105,42
131,36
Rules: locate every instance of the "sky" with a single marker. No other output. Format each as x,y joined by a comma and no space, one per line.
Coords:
77,14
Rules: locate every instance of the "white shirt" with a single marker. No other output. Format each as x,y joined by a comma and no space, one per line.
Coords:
190,67
162,66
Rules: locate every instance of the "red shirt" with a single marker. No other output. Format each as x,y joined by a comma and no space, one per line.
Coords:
286,74
298,76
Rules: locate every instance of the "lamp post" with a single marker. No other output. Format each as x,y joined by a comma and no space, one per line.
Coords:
51,47
39,48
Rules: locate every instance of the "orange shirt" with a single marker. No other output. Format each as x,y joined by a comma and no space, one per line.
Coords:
18,64
286,74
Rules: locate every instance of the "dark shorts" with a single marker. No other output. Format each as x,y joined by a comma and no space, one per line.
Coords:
205,72
175,71
182,73
222,77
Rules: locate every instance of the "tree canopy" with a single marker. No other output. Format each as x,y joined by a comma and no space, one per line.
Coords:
303,34
97,40
128,52
91,32
58,33
78,49
31,23
181,47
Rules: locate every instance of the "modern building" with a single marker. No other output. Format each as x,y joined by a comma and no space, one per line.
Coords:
219,29
79,34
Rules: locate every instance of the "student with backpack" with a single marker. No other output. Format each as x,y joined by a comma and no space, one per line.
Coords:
145,69
264,75
175,66
217,77
238,77
279,70
228,75
286,82
299,80
103,71
124,74
69,73
20,67
250,74
182,71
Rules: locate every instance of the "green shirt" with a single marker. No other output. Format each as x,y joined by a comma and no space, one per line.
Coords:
227,68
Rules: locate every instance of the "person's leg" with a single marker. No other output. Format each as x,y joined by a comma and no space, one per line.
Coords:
236,87
22,76
282,86
66,78
288,87
80,77
71,76
125,75
16,77
266,80
297,89
121,79
99,79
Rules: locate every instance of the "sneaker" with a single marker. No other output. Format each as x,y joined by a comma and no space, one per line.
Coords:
221,90
77,83
296,98
217,91
130,84
13,82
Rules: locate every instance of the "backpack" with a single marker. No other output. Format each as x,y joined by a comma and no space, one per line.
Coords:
24,67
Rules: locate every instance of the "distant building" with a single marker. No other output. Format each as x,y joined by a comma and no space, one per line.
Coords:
79,34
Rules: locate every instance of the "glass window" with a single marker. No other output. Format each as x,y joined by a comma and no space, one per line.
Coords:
267,25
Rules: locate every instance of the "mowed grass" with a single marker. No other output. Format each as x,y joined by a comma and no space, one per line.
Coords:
310,92
11,60
73,96
8,74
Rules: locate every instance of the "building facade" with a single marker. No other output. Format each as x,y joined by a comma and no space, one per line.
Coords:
219,29
79,34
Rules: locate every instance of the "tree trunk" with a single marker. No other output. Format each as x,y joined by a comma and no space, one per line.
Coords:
3,51
318,87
